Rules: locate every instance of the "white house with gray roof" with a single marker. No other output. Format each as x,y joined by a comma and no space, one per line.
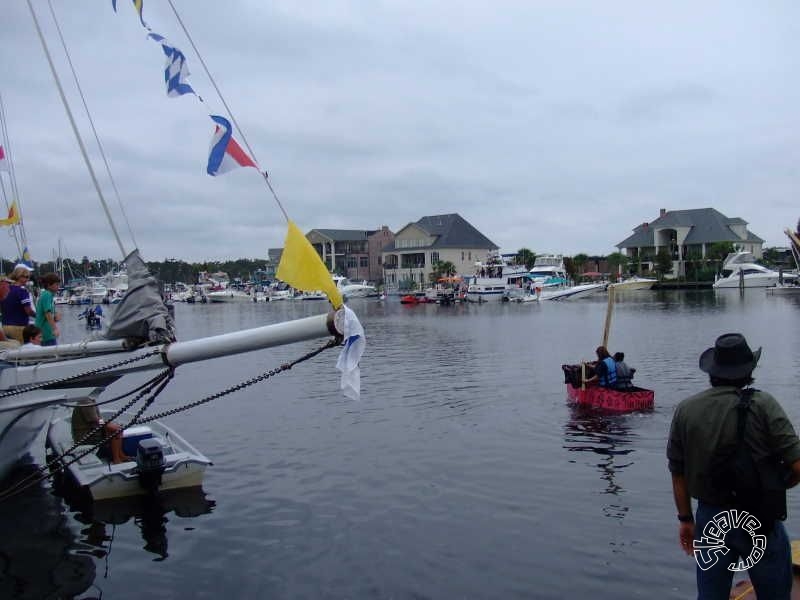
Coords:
438,238
687,233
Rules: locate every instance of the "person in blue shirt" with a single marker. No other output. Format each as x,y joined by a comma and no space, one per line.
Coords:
605,369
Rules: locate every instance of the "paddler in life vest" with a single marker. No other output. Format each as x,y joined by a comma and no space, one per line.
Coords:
605,369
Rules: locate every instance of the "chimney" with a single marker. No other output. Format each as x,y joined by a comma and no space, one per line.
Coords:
663,211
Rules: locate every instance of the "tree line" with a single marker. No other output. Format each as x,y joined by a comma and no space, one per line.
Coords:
170,270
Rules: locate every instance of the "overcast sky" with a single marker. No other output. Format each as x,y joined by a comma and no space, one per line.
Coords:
553,125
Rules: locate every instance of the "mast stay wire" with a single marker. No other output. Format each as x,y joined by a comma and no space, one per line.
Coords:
227,108
75,129
91,123
17,231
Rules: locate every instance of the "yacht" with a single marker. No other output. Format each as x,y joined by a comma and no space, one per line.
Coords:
495,279
549,271
549,280
741,268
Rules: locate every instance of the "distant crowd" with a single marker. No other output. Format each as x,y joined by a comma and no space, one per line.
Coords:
28,320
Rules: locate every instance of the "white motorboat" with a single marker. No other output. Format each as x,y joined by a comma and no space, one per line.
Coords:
790,286
164,461
277,295
354,290
740,269
571,293
312,295
523,298
229,295
633,283
495,278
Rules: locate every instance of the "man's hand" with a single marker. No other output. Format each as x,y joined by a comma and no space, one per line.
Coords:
686,537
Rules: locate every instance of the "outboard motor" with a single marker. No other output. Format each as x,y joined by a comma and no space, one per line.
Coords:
150,462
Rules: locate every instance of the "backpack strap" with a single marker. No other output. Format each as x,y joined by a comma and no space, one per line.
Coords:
745,400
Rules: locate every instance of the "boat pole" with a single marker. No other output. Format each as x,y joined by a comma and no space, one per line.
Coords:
609,310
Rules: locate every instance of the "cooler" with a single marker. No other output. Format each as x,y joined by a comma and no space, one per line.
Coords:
132,436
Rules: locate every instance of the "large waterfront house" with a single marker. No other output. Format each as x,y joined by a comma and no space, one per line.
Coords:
687,235
354,253
417,247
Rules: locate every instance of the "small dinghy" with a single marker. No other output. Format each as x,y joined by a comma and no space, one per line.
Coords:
163,461
609,399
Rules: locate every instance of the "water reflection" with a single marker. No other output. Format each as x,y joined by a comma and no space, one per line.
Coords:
36,546
609,437
149,514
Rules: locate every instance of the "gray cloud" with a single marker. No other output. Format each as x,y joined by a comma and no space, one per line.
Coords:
548,125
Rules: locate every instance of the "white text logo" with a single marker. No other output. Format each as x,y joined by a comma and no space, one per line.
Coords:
711,544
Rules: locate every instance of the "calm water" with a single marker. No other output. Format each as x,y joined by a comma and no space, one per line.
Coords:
461,473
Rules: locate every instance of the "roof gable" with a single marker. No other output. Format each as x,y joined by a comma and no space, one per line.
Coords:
453,231
447,231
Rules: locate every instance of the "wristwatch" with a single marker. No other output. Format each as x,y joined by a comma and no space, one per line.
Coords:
686,518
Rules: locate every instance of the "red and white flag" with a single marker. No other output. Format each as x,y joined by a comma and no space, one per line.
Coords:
3,160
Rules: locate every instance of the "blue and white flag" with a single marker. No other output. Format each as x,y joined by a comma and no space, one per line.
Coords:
176,71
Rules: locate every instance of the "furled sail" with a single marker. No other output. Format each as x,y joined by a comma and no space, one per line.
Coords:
142,314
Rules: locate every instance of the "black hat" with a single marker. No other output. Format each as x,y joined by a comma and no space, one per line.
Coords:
730,358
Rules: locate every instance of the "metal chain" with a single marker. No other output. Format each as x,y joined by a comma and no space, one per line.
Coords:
57,464
54,382
239,386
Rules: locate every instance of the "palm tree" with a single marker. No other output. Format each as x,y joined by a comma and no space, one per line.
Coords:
576,265
663,263
615,261
526,257
442,269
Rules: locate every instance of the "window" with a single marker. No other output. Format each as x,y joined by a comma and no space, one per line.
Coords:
351,262
434,257
462,256
363,261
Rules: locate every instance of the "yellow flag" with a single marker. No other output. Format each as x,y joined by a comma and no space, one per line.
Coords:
302,268
13,216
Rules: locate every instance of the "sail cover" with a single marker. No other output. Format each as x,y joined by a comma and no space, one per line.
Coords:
142,314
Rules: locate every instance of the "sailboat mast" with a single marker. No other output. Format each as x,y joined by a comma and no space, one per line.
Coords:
60,262
75,130
17,230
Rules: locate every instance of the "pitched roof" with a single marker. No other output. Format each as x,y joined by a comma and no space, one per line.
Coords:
451,231
344,235
707,225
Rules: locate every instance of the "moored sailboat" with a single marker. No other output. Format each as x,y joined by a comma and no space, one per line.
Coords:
141,337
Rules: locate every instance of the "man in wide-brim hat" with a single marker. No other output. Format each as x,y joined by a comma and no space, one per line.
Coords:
704,428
